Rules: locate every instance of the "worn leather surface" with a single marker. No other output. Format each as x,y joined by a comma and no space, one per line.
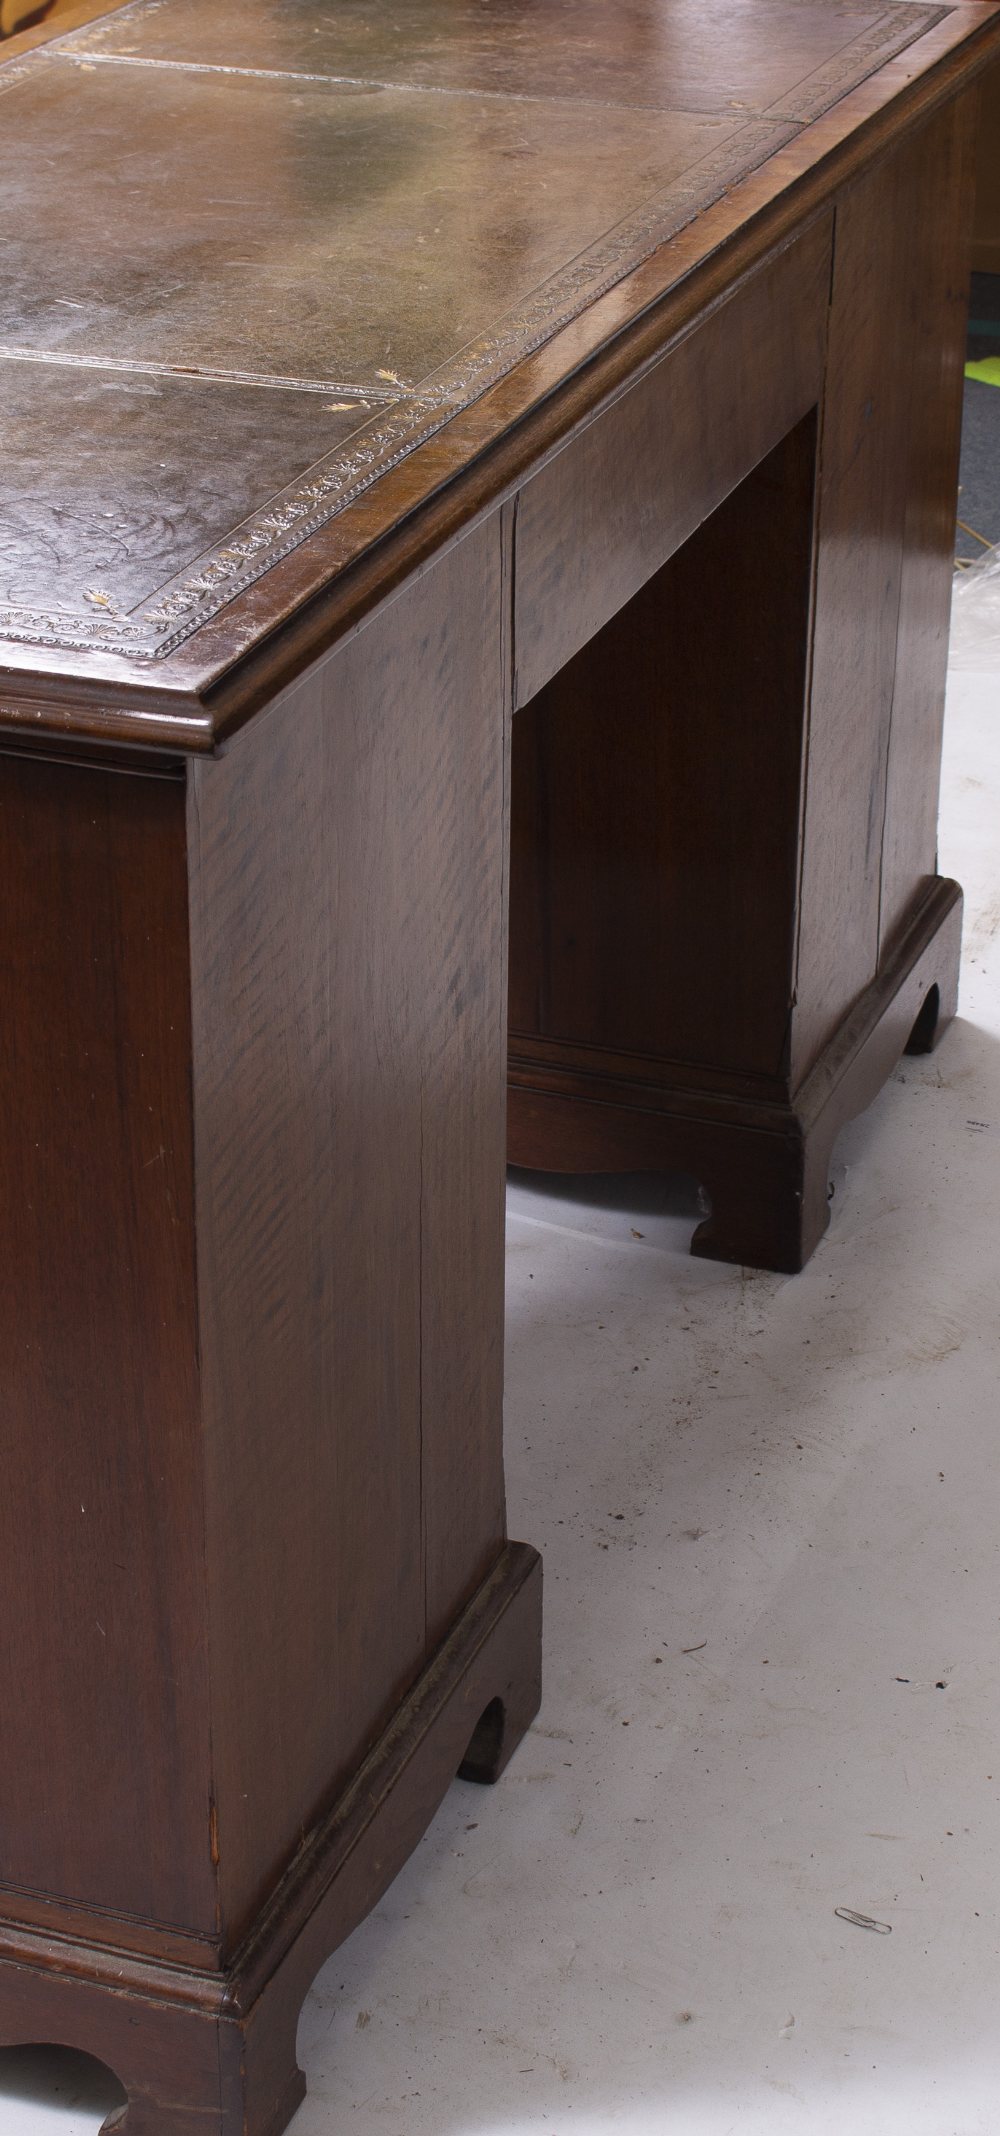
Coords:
252,256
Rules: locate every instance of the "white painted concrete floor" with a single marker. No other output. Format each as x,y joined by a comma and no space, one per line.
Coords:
769,1509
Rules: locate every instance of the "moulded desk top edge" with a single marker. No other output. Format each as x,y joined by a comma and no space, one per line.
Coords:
258,645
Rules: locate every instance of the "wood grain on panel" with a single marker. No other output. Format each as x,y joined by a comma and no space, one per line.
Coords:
347,939
879,564
934,328
104,1763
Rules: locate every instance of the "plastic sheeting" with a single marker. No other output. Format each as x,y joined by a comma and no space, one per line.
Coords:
975,615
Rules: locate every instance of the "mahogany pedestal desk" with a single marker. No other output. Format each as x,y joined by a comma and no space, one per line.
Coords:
365,377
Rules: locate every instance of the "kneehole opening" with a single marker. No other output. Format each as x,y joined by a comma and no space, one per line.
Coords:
61,2078
486,1739
921,1037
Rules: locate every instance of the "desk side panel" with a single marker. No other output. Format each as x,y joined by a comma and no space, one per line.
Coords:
104,1751
887,492
348,947
939,304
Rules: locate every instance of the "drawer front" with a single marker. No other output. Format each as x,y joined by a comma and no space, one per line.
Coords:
630,487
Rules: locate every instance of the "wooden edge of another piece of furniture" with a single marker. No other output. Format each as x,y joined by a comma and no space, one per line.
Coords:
59,25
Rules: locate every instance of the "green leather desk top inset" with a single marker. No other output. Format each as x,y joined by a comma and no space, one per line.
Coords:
253,257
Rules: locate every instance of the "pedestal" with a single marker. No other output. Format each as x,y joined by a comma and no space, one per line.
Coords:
259,1606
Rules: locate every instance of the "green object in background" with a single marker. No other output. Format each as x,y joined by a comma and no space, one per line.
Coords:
987,370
